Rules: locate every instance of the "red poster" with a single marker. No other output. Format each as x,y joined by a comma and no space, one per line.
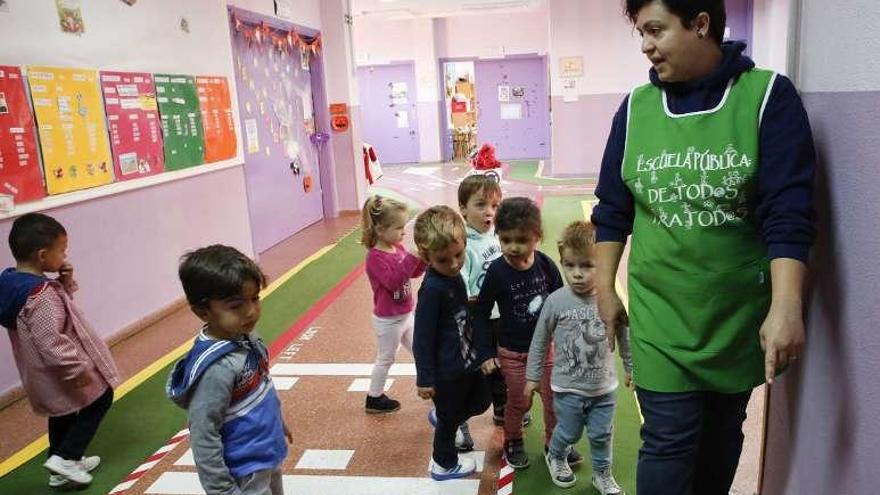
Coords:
133,123
20,174
217,118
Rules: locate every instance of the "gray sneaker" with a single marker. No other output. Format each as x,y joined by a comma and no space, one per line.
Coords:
560,471
515,454
606,484
464,442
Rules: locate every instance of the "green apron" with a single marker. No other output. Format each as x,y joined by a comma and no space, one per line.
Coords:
699,285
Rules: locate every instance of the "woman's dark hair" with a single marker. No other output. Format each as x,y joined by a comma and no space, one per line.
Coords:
32,232
687,11
519,213
216,273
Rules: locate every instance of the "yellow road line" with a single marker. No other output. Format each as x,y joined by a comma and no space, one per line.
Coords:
37,446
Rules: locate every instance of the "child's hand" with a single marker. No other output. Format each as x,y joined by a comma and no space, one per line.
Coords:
489,366
628,379
529,392
65,277
82,380
426,392
287,434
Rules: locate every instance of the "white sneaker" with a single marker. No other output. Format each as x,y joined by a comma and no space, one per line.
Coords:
72,470
560,471
89,463
57,481
606,484
464,468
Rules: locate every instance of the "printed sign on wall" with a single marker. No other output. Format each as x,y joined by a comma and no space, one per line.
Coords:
217,118
20,175
181,121
73,134
133,119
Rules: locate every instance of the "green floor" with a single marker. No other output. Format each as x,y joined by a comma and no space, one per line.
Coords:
525,170
143,420
558,212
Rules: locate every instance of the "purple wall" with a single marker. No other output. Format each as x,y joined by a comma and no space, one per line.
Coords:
739,20
525,137
274,93
823,434
586,122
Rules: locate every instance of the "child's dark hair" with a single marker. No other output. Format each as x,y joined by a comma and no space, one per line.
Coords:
687,11
477,183
578,236
519,213
32,232
216,273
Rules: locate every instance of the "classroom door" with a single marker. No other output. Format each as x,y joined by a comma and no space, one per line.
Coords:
389,111
513,111
281,167
739,22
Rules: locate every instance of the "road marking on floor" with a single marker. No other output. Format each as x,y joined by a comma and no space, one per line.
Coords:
151,461
284,382
338,369
39,445
363,385
180,483
325,459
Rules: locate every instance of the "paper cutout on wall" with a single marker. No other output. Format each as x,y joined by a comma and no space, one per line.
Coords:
219,126
133,121
19,160
181,121
70,16
73,134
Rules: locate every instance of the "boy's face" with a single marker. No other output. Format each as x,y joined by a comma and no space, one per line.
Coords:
235,317
479,212
448,261
392,232
518,247
52,257
579,268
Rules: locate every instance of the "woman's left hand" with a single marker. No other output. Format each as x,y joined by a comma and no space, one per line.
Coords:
782,337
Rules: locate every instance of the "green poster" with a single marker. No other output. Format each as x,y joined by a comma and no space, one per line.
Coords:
181,121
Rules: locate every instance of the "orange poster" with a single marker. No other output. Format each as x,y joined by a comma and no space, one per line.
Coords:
217,119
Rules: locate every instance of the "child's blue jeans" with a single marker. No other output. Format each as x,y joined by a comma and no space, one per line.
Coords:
573,412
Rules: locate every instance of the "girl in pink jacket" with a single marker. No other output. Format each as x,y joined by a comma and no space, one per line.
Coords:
66,369
389,268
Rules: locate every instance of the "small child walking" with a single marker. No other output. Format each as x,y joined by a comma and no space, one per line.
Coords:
389,267
584,379
66,369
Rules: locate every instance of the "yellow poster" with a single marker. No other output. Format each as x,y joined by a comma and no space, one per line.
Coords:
73,133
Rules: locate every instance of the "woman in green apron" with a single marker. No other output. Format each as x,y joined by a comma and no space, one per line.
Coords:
709,168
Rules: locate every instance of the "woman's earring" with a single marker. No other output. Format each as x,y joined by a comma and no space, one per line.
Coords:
700,34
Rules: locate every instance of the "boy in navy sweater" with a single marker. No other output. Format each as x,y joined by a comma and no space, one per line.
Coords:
447,365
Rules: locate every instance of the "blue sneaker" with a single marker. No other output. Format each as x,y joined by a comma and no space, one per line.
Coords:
463,469
432,417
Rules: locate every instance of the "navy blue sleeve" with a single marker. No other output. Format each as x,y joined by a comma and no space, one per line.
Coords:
427,318
482,312
613,215
785,178
553,274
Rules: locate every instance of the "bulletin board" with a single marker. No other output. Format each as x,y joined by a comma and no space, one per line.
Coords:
20,174
217,119
70,121
181,120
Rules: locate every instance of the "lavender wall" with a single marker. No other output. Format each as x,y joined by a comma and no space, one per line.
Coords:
581,128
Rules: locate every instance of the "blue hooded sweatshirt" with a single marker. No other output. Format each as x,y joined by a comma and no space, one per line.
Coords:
15,288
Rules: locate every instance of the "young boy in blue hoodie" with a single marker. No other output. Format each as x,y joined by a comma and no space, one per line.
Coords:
236,429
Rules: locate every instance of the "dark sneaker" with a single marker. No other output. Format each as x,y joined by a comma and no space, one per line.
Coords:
464,442
527,419
560,471
498,416
381,405
515,454
574,457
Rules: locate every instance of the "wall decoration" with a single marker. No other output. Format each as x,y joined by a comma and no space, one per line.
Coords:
20,176
70,16
219,125
184,24
4,6
511,111
134,124
518,91
399,93
181,120
571,66
129,2
503,93
73,133
339,117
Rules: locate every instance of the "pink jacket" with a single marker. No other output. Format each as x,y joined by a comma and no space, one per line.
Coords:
53,345
389,275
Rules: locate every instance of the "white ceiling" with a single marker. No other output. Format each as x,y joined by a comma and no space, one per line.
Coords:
405,9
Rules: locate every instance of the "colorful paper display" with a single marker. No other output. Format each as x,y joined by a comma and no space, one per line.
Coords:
20,175
181,121
73,133
134,124
219,126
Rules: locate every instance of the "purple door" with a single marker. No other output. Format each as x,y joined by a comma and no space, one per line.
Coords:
512,107
389,119
281,169
739,21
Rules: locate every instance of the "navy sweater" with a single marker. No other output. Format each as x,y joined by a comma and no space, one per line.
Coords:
443,343
787,160
520,296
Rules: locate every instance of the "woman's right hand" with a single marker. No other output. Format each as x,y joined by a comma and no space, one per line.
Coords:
611,312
